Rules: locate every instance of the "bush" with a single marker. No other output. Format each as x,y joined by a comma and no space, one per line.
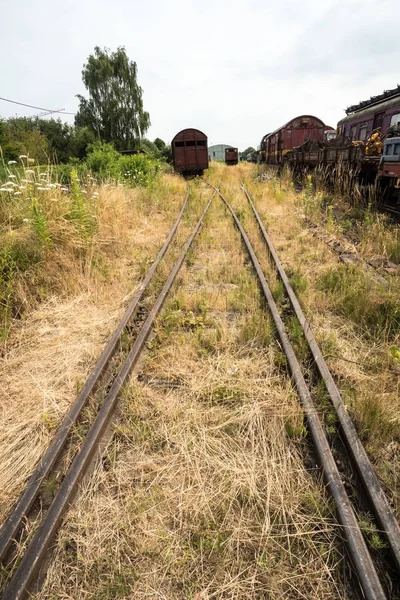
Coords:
106,163
102,160
137,169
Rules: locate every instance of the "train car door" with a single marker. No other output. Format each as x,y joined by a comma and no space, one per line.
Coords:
378,120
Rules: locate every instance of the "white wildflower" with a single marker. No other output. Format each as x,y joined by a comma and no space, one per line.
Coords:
12,176
64,189
41,189
4,189
22,187
17,193
23,156
12,162
25,220
30,171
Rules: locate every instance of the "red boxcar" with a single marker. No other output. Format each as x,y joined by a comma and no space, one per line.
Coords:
297,131
189,152
231,156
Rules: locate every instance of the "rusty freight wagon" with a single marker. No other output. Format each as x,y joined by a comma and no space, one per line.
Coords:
277,144
189,152
231,156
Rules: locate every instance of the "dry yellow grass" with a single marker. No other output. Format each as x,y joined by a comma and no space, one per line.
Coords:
354,315
203,492
48,354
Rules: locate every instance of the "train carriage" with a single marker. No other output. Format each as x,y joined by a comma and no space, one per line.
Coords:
277,144
378,113
189,152
231,156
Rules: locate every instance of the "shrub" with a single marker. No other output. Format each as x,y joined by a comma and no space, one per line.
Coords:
102,161
137,169
80,212
106,163
40,226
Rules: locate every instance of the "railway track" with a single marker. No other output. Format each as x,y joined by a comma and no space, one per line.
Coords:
24,573
366,572
364,567
392,211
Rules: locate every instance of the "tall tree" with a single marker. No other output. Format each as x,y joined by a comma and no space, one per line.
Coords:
114,109
244,154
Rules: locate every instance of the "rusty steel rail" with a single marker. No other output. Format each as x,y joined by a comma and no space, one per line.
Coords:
379,502
357,549
14,521
36,550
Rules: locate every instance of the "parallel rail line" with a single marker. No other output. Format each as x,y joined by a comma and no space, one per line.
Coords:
379,502
36,550
363,564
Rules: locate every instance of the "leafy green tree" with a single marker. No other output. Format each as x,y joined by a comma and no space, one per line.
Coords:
57,141
80,141
58,135
23,137
160,145
245,153
114,109
150,148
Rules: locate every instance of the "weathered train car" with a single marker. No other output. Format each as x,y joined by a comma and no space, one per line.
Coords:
262,146
329,133
231,156
389,171
277,144
380,112
313,153
189,152
339,151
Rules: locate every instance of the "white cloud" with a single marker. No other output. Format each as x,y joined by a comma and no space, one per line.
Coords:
235,69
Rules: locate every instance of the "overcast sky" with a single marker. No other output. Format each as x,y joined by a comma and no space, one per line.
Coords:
234,69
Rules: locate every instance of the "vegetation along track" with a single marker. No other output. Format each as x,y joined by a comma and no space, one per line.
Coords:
357,548
209,499
31,562
202,492
379,502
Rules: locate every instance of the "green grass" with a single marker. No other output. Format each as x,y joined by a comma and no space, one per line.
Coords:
353,295
256,329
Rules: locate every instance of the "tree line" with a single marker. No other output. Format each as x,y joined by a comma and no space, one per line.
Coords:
113,113
51,140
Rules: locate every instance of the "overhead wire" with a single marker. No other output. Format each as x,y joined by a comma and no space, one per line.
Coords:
49,110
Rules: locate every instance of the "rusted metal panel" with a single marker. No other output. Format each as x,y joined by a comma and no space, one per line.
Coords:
189,151
231,156
292,134
376,116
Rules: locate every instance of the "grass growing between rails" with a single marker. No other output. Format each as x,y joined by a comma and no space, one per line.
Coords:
354,310
202,492
91,250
